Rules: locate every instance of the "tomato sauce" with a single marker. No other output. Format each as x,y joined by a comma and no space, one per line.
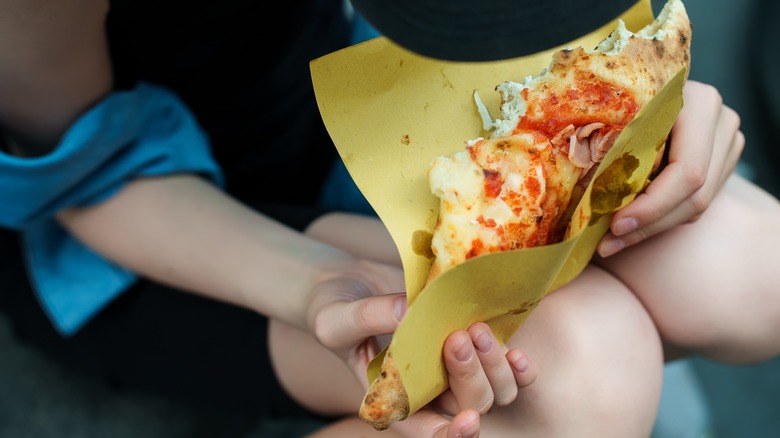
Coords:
493,183
589,100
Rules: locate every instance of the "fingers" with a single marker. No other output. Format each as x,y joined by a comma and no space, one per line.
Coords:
524,369
734,153
705,147
469,384
358,330
494,364
465,425
481,372
429,423
343,324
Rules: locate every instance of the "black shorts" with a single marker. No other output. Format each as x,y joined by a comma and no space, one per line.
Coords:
158,340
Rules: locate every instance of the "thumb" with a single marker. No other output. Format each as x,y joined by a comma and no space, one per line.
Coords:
429,423
343,324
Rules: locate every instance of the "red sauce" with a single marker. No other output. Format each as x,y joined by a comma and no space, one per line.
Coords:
477,248
590,100
587,100
488,223
520,237
493,183
533,187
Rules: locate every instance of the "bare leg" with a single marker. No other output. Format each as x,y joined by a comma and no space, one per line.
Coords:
312,374
597,350
713,286
600,363
352,427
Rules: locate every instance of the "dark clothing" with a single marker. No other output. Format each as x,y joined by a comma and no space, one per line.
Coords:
248,82
208,355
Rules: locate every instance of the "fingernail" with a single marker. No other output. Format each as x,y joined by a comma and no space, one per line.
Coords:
611,246
464,351
469,431
399,308
482,342
520,362
625,226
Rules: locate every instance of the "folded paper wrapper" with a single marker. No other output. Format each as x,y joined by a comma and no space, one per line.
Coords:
390,112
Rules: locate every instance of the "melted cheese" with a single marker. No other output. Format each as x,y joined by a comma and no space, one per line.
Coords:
513,189
497,194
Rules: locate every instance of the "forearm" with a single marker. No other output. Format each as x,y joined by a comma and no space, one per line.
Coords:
182,231
364,236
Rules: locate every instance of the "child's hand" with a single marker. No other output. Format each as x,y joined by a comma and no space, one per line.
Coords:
482,374
705,146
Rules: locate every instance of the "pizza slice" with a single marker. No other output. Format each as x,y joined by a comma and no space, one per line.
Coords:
516,188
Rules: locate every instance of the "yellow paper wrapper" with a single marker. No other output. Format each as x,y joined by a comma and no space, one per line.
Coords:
390,112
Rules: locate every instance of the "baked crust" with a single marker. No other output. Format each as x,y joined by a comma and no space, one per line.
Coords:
513,189
385,401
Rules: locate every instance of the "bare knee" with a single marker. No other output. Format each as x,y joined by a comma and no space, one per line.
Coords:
742,332
600,362
292,353
711,287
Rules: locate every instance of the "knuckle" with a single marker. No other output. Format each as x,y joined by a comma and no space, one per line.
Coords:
739,142
732,117
695,175
492,362
656,214
484,404
364,318
469,372
506,396
651,210
694,218
699,203
425,426
322,330
711,93
639,236
525,380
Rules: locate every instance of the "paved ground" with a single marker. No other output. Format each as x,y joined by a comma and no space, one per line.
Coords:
39,400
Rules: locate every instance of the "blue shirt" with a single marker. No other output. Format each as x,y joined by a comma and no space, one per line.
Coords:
143,132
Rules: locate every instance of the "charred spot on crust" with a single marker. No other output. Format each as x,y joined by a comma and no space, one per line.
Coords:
654,80
489,173
503,144
659,47
684,44
383,374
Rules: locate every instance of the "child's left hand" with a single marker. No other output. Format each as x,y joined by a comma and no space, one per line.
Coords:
704,149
